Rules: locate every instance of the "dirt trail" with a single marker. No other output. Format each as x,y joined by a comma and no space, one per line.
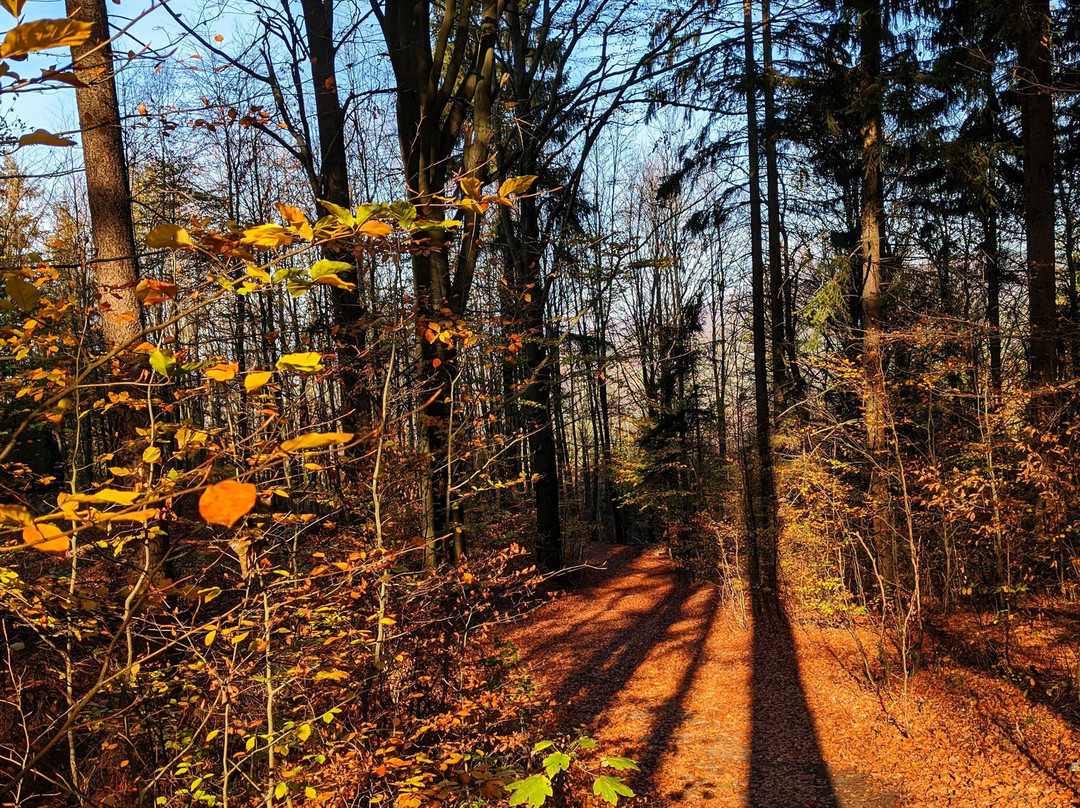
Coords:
768,717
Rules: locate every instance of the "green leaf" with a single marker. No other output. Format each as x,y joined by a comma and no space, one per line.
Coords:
609,789
338,212
619,763
532,790
556,762
162,363
541,746
585,742
325,267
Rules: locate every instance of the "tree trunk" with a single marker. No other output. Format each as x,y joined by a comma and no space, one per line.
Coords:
992,270
781,382
1034,74
763,568
875,402
333,173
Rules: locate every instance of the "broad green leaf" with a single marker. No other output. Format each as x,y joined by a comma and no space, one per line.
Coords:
585,742
41,35
404,213
327,267
516,185
162,363
533,791
619,763
341,214
307,361
609,789
556,762
22,293
316,440
541,746
225,502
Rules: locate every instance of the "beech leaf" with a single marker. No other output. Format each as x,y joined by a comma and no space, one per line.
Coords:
225,502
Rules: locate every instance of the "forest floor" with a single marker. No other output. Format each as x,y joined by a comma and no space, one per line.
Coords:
718,713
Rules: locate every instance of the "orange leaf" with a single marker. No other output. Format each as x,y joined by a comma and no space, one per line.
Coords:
46,538
222,373
150,291
225,502
375,229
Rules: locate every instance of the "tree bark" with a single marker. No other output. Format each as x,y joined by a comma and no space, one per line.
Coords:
1034,75
874,284
781,382
763,568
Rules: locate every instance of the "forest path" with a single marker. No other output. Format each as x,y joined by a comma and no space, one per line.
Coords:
717,714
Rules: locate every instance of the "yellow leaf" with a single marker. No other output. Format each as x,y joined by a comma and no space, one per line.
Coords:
22,293
168,236
15,515
46,538
297,220
151,454
267,236
150,291
316,440
472,205
307,361
471,186
375,229
335,281
42,34
225,502
334,675
310,793
15,7
208,640
517,185
109,496
253,381
222,373
304,732
39,137
143,515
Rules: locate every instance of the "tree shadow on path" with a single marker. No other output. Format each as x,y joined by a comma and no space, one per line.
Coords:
786,764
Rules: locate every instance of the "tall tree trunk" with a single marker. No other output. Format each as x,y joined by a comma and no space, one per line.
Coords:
333,174
436,92
781,382
1034,74
874,282
763,569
